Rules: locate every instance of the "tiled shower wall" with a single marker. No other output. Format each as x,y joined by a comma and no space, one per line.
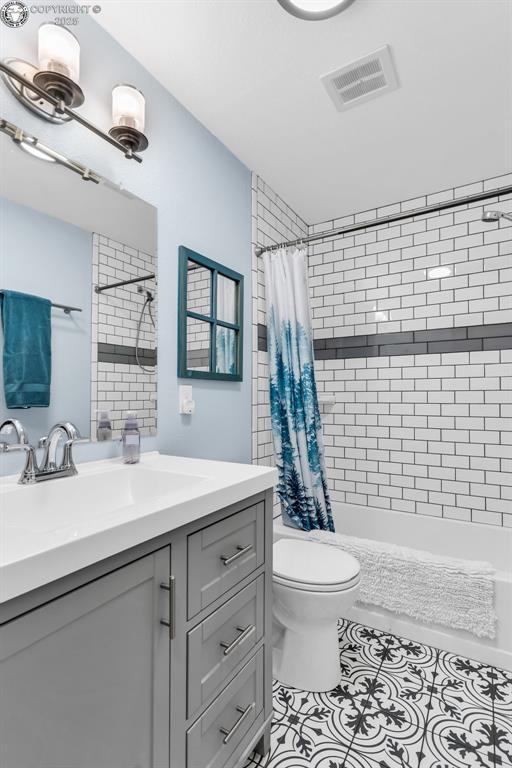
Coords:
413,342
117,382
272,222
413,345
198,332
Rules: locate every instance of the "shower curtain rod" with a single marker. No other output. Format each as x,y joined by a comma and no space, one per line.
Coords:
389,219
101,288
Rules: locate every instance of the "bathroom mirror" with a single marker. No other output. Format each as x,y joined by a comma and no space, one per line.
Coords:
90,249
210,319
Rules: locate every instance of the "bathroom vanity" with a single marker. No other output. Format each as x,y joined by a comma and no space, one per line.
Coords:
135,616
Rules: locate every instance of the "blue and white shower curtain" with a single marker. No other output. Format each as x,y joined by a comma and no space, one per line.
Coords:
226,338
296,423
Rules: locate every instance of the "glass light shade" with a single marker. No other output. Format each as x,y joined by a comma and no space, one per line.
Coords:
315,6
59,51
315,9
31,148
128,107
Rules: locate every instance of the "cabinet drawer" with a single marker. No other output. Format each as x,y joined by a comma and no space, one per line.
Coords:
223,726
222,554
220,642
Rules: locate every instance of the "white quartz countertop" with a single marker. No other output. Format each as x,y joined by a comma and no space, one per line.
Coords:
51,529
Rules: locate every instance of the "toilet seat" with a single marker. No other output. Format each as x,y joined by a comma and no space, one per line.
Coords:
304,587
313,567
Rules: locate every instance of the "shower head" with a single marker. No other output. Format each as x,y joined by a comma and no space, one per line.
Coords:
489,216
149,295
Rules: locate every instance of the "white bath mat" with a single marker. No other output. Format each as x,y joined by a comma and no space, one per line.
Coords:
441,590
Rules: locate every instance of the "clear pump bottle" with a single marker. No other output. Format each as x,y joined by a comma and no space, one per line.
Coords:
131,439
104,429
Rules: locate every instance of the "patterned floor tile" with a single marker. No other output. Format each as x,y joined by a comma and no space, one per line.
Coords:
363,643
477,742
463,683
503,735
400,654
399,704
306,726
389,702
403,751
403,687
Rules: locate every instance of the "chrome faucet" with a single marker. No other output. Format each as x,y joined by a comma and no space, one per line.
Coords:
29,472
49,463
32,473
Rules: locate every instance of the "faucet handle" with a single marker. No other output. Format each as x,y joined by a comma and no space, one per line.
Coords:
41,443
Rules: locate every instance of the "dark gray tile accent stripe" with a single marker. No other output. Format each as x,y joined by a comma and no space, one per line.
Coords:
460,345
262,338
484,331
498,342
198,358
119,353
471,338
442,334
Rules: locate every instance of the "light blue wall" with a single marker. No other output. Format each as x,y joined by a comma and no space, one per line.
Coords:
203,196
47,257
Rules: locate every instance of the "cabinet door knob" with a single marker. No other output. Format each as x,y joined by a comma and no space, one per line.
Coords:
228,735
245,632
241,551
171,588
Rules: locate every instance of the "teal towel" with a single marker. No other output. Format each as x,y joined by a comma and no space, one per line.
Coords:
27,358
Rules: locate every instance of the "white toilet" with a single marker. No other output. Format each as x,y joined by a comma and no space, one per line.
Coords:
314,585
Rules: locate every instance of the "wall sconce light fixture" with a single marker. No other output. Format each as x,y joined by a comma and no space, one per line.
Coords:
128,117
52,92
59,64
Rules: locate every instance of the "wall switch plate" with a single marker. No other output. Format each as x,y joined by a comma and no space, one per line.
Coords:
187,404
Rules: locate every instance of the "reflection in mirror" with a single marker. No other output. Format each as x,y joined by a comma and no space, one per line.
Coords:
61,236
198,344
210,312
199,289
226,299
226,350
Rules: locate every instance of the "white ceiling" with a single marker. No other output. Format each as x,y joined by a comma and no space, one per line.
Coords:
250,72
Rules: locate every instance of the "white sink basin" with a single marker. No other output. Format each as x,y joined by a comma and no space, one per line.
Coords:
58,526
56,506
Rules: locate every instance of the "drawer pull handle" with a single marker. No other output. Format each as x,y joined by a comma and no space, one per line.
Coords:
171,588
245,632
244,713
241,551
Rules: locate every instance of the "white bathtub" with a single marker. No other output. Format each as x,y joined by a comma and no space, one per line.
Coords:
471,541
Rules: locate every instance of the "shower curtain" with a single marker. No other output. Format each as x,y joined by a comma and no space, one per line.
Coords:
225,338
296,424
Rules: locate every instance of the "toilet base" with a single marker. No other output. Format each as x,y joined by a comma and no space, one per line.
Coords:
309,659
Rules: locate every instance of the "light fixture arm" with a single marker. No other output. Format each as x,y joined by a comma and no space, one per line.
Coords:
61,108
24,140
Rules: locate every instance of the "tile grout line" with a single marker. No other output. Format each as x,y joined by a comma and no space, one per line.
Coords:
429,709
366,706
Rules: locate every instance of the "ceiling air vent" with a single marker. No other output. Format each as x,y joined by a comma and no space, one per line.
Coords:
361,80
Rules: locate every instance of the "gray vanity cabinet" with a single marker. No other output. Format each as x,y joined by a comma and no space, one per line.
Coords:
84,678
159,657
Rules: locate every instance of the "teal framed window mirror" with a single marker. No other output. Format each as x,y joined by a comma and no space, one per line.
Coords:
210,319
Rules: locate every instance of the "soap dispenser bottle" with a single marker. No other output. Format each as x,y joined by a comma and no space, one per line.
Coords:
104,429
131,439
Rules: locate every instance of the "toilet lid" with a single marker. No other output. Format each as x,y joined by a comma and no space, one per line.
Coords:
323,589
311,563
